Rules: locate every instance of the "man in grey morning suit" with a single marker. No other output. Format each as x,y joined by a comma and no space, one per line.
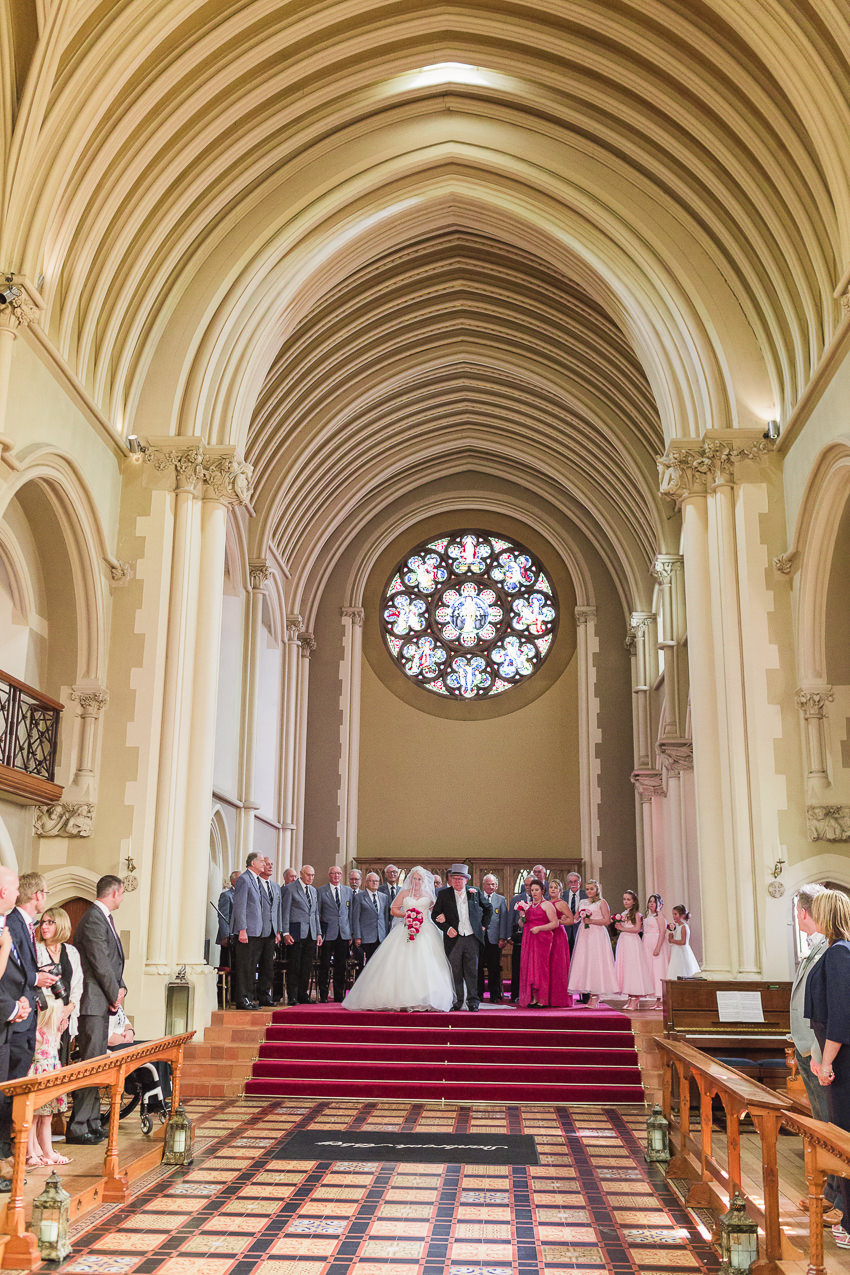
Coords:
225,911
496,935
801,1029
102,959
253,925
301,933
370,916
335,920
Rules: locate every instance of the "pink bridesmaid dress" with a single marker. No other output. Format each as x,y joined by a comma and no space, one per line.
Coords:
536,954
592,967
634,977
653,926
559,970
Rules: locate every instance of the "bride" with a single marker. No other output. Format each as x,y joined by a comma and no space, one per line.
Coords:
405,972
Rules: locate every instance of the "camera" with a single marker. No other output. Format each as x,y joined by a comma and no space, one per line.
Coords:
58,989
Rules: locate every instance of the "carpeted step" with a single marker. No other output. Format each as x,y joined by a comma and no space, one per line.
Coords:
504,1018
515,1055
471,1091
448,1072
457,1037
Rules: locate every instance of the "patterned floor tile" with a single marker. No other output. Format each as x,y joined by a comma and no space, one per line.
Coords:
128,1241
94,1264
393,1248
676,1257
289,1267
195,1266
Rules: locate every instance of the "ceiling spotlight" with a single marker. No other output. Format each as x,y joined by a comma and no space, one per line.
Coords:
135,445
772,431
9,293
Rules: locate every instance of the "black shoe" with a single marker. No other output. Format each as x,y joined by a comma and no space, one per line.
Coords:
266,1003
84,1139
323,1000
244,1004
455,1006
473,1005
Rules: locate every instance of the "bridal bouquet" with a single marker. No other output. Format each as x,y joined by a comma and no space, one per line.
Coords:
618,916
521,909
584,915
413,919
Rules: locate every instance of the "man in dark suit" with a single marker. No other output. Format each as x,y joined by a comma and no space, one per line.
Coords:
301,934
573,896
370,912
15,1008
102,958
32,900
463,913
335,920
495,937
252,923
516,936
540,873
225,911
391,888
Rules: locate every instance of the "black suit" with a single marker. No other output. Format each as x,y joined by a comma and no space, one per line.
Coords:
572,930
827,1007
463,950
13,985
102,959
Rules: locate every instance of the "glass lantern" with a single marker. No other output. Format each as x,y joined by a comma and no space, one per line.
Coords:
178,1138
657,1137
179,995
51,1217
739,1237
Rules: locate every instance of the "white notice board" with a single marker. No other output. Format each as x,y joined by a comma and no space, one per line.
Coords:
740,1007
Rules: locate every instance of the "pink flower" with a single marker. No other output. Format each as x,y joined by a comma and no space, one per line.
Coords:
413,919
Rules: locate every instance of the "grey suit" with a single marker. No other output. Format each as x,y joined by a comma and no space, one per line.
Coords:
300,919
336,937
102,961
369,924
252,912
225,911
490,962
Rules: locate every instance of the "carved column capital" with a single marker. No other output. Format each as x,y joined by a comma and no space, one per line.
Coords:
638,624
19,311
216,473
812,702
227,478
585,615
665,566
844,299
259,573
692,469
293,627
677,755
307,643
183,462
648,783
355,614
91,699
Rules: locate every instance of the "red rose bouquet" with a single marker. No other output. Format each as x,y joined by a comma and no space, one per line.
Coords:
584,915
413,919
521,909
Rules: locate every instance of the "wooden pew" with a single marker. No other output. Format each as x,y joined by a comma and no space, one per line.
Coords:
757,1050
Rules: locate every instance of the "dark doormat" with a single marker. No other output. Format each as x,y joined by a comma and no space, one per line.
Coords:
400,1148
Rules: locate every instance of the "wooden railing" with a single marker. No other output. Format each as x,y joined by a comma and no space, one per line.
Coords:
827,1148
29,737
30,1092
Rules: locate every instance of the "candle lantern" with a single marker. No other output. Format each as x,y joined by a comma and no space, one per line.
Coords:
51,1217
657,1137
178,1138
178,1004
739,1237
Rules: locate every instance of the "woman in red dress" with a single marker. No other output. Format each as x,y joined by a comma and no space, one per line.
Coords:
559,966
541,920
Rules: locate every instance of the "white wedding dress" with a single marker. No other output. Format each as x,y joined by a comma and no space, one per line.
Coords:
405,974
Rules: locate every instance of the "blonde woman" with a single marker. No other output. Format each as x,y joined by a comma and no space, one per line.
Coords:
592,969
54,953
827,1008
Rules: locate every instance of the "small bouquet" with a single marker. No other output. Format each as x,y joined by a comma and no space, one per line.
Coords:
618,916
671,928
584,915
413,919
521,908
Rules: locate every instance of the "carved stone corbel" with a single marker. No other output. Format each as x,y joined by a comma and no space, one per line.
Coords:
648,783
64,819
828,823
355,614
677,755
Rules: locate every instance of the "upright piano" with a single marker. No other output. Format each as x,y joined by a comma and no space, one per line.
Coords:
694,1013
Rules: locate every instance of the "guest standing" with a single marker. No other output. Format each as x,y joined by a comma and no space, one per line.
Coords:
463,913
301,934
633,973
15,1007
369,917
517,920
268,948
102,960
495,937
541,920
32,897
657,949
683,963
52,1021
253,930
574,898
225,912
559,968
53,947
827,1008
592,969
335,920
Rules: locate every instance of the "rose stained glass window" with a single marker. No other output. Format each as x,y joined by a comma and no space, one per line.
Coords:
469,615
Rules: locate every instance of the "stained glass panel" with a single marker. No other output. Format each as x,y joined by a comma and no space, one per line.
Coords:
469,615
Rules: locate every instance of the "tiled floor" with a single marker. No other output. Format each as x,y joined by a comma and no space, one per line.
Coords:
243,1208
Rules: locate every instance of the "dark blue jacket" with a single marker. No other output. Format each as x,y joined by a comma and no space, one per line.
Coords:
828,993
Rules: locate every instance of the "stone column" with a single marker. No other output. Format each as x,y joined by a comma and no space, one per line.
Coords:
259,572
812,702
307,643
92,699
641,644
587,644
349,764
668,570
290,724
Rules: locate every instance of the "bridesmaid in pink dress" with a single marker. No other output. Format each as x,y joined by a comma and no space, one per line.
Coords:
633,973
559,966
592,969
655,936
541,920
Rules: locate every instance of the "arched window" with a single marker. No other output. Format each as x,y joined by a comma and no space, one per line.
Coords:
469,615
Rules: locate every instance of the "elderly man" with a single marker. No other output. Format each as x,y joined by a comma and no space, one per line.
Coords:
355,879
495,937
370,917
289,875
573,896
541,875
253,925
335,920
805,1044
301,934
463,913
225,911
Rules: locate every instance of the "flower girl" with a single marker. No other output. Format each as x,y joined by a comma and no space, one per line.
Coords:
633,973
655,937
683,963
592,967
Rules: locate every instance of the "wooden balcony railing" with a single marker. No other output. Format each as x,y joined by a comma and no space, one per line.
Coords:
693,1159
30,1092
29,737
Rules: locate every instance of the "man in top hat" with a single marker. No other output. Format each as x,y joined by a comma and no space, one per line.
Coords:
463,913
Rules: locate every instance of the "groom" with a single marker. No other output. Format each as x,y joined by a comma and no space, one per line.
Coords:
462,912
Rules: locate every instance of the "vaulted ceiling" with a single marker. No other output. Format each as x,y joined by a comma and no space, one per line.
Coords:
372,242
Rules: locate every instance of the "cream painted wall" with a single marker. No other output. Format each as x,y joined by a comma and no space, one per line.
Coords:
829,420
469,789
269,711
229,703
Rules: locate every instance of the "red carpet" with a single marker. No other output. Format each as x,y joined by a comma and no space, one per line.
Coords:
499,1054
